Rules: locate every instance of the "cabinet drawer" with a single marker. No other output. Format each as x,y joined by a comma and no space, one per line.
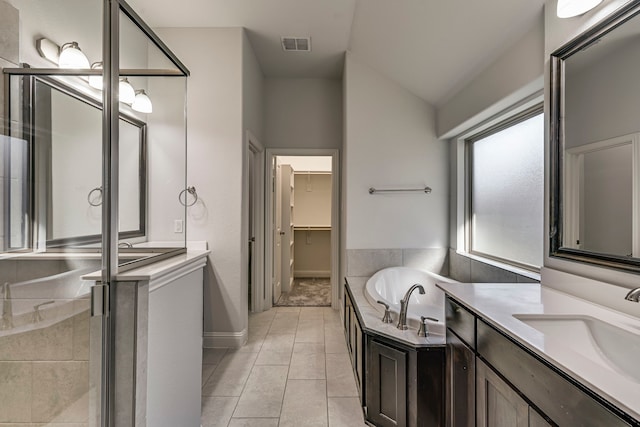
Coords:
564,402
461,322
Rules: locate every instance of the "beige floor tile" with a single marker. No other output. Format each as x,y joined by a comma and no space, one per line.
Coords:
230,375
288,310
308,347
213,356
340,379
307,366
345,412
284,325
279,343
296,408
310,334
253,345
254,422
263,393
217,411
207,370
335,343
273,358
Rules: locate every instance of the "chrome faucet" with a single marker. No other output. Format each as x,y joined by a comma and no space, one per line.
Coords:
633,295
404,303
7,311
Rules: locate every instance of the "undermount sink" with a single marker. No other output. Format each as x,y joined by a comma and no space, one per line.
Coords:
599,341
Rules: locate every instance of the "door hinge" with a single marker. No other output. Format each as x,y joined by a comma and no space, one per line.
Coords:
99,300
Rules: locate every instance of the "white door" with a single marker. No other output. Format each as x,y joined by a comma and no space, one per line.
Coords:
277,232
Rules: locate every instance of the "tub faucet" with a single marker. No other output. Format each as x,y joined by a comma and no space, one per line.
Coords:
404,303
7,311
633,295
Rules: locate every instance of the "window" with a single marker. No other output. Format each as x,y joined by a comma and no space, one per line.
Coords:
505,189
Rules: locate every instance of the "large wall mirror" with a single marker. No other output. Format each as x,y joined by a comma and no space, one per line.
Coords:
67,164
595,145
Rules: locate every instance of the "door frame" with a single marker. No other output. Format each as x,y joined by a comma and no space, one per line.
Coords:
254,146
271,153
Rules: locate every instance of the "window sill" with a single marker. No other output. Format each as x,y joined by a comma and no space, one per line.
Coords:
535,275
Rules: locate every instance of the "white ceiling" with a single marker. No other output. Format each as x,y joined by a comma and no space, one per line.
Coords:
431,47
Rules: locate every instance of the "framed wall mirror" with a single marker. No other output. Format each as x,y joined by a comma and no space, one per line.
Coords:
66,130
595,145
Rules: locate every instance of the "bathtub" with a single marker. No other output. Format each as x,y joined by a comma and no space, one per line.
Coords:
390,285
64,295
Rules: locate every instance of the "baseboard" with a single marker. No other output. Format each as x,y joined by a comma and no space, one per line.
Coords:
304,274
224,339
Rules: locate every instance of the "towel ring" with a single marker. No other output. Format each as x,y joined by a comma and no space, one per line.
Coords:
191,190
99,189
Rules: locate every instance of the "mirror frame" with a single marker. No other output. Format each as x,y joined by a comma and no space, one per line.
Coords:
30,94
557,144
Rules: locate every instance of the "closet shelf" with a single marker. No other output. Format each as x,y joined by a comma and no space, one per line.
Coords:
311,227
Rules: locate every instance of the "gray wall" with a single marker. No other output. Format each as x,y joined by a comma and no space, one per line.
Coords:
302,113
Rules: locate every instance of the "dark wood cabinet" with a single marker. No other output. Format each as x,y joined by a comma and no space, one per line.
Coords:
355,343
400,385
461,383
387,402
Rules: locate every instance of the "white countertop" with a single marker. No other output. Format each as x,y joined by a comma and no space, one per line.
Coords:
155,270
373,320
497,303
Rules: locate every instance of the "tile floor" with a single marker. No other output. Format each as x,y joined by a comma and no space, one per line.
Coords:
294,371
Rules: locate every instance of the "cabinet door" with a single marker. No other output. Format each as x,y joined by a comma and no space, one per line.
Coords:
498,405
536,420
386,386
358,356
461,384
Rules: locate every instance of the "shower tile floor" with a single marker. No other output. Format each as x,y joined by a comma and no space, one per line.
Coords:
294,371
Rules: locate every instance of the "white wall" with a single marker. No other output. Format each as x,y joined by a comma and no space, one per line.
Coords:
302,113
516,74
391,142
215,155
557,33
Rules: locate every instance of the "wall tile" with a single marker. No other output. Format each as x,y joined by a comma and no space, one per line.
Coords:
15,391
365,262
485,273
431,259
81,331
9,32
35,269
525,279
459,267
51,343
60,391
7,272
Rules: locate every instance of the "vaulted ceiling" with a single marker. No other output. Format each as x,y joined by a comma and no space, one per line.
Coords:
430,47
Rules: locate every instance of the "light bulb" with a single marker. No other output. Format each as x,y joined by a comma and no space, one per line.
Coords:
142,103
72,57
571,8
126,92
96,81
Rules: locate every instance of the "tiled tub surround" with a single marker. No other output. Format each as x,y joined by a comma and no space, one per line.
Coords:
496,304
44,370
443,261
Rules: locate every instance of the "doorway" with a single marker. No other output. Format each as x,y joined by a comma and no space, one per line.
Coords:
302,228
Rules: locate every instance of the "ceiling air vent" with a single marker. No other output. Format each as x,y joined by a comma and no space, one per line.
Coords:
296,44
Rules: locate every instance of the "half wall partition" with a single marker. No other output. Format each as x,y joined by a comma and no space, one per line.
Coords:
92,164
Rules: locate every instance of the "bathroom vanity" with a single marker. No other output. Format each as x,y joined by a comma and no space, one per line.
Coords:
526,355
400,376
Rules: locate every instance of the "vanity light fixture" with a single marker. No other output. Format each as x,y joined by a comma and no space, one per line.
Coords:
142,103
571,8
96,81
72,57
126,92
